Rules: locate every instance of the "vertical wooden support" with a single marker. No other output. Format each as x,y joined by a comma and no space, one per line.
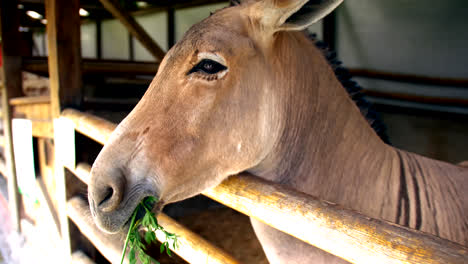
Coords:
329,30
98,39
131,48
171,38
11,87
63,39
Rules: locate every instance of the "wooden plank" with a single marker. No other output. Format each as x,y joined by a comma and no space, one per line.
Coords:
11,87
450,101
63,40
134,28
94,127
192,248
39,65
409,78
42,129
35,111
82,171
341,232
38,110
30,100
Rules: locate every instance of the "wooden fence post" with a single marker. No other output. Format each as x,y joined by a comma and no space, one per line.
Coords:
64,45
11,87
63,39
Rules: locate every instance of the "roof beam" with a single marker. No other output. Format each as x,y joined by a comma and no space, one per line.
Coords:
134,28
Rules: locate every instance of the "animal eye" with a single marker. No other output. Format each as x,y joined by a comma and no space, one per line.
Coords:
208,66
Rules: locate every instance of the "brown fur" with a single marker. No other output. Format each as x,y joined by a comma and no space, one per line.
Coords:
279,113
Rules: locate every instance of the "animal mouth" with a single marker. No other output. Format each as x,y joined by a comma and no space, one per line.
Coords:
134,203
149,203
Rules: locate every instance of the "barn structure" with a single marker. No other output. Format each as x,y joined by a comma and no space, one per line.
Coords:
73,69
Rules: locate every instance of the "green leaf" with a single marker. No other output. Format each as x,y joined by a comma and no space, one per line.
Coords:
131,256
149,237
161,248
134,240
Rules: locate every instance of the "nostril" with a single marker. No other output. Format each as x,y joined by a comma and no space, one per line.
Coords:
106,189
107,196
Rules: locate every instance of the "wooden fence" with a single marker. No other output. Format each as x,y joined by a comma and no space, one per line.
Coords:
341,232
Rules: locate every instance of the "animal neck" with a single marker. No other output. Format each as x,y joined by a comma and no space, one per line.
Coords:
326,148
323,138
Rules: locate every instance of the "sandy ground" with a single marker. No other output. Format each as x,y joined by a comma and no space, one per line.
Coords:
8,239
37,247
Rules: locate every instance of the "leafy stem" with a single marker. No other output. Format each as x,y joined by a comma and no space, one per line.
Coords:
150,223
132,223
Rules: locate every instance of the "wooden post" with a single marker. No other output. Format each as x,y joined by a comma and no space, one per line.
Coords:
11,87
98,39
171,37
63,39
134,28
329,30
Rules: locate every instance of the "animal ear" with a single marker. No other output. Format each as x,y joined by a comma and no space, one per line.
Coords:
284,15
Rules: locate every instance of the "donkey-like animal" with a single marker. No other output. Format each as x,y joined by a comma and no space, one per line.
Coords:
246,90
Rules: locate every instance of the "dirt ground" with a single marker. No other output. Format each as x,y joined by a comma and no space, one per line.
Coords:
37,247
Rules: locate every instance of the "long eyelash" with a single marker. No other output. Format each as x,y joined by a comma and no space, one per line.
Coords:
211,77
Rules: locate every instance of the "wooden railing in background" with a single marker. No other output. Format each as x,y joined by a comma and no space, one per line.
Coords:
341,232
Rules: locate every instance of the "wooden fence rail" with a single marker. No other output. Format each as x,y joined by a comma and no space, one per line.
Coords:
341,232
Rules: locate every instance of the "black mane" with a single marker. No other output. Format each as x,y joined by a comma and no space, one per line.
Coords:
353,88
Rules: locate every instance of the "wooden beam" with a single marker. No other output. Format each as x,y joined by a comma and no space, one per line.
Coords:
64,46
134,28
341,232
37,109
110,245
11,87
171,34
98,38
329,30
94,127
63,39
90,66
409,78
449,101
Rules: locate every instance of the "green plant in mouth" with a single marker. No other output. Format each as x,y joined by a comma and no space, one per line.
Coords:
150,223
